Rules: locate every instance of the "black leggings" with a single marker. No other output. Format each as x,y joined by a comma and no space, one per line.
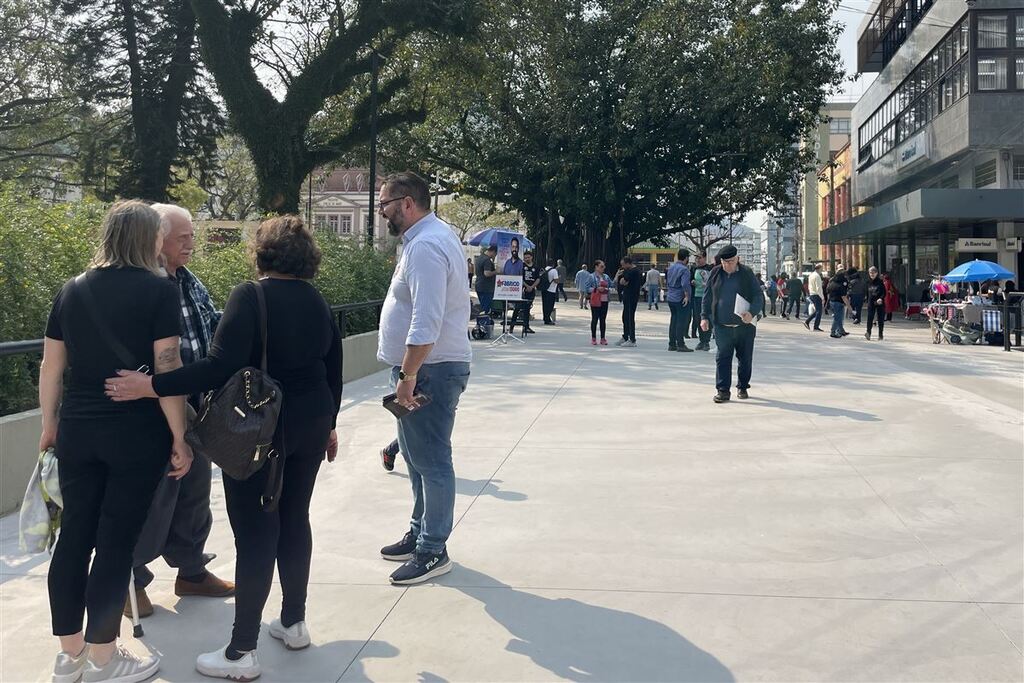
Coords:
283,536
876,311
598,314
109,470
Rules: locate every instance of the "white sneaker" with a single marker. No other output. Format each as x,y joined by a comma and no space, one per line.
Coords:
630,344
68,668
295,637
216,665
123,667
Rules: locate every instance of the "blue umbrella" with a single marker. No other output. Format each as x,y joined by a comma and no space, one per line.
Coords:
490,236
978,271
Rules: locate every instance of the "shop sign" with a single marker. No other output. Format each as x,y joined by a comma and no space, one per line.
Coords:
912,151
977,244
1013,244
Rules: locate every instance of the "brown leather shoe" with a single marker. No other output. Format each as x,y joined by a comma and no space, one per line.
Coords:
145,606
209,587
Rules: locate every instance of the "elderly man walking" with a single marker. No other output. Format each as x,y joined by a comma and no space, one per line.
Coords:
581,281
423,338
179,519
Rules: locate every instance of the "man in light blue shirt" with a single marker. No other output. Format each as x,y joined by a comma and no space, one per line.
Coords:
581,280
423,338
677,294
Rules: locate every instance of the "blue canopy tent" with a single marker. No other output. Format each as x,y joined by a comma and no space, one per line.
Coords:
978,271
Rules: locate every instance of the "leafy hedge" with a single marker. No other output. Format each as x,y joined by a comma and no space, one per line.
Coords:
42,246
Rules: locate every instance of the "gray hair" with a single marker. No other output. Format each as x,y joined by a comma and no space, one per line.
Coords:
166,211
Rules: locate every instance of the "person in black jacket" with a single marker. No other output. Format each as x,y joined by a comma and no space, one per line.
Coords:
876,302
839,300
734,335
630,282
304,356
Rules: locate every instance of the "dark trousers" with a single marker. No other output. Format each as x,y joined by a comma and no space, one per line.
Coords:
392,449
677,324
521,312
857,304
109,469
734,341
629,304
879,311
548,304
598,316
178,524
282,536
793,306
561,290
819,310
772,300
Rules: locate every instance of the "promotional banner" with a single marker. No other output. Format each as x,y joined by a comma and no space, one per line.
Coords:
505,241
508,288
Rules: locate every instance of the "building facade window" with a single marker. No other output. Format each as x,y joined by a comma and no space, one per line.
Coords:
999,51
985,174
839,126
346,225
320,221
991,31
1018,167
1020,73
939,81
332,222
992,73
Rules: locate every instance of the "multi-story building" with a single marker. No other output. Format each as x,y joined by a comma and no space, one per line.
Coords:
831,136
747,242
338,201
781,231
835,185
938,149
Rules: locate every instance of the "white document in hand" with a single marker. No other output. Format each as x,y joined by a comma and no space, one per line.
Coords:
742,306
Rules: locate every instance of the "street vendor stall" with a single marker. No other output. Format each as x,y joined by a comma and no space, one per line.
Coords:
968,321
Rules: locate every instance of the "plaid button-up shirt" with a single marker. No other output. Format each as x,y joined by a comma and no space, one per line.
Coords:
199,318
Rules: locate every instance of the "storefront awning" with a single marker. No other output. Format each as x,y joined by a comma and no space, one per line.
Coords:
928,211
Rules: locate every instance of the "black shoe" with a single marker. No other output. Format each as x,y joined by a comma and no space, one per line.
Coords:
703,347
742,393
845,333
721,397
867,335
836,336
530,330
807,324
548,323
880,337
422,567
785,317
401,551
388,461
685,349
656,307
672,347
818,329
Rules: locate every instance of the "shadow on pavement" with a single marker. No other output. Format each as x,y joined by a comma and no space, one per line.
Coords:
581,642
824,411
480,487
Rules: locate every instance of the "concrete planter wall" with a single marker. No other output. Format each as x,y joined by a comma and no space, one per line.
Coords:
19,433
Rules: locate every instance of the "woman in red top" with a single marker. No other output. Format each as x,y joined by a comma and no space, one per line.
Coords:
892,297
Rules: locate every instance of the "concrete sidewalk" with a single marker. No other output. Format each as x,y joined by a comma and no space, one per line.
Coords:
860,518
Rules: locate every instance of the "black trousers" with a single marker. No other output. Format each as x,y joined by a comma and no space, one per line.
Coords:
548,302
598,316
879,311
696,303
561,290
793,305
734,341
109,469
629,304
521,312
283,537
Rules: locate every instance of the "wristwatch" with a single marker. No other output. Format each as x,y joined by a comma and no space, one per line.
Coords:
404,376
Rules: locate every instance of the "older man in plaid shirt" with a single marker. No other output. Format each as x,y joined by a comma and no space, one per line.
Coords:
179,520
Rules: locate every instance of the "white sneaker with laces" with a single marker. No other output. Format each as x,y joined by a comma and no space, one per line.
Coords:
295,637
216,665
68,668
123,667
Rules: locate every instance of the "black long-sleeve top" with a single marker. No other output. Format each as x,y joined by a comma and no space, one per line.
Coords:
304,348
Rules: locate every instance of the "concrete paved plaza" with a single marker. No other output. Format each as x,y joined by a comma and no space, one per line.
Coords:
860,518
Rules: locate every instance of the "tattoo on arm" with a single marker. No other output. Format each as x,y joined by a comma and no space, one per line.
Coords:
168,359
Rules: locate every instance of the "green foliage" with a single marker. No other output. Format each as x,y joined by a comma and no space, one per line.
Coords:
42,246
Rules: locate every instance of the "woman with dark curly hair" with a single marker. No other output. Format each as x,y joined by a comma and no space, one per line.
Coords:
304,356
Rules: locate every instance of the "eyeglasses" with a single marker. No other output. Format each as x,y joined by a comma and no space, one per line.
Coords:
381,205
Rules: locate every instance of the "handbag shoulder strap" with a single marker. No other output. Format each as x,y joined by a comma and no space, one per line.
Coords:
261,302
123,354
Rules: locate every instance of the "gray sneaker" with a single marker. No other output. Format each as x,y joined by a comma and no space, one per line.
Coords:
68,669
123,667
630,344
621,342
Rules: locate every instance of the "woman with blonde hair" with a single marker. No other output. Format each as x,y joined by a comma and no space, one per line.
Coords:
304,356
111,455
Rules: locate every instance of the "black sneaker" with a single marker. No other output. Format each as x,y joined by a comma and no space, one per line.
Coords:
672,348
685,349
401,551
422,567
807,324
721,397
388,461
742,393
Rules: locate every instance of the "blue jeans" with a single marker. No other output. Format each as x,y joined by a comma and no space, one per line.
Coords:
425,438
486,300
819,310
652,295
734,341
838,313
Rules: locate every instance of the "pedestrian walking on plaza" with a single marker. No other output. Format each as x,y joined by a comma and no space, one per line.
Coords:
698,280
112,455
423,338
179,522
857,286
531,276
470,268
734,335
794,291
876,303
581,280
486,274
630,282
677,282
838,297
563,274
549,295
773,292
597,289
892,297
815,292
303,353
653,280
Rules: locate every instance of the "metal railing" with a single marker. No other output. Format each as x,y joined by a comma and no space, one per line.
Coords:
1017,310
342,311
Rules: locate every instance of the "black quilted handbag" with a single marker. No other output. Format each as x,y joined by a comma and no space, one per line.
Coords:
236,423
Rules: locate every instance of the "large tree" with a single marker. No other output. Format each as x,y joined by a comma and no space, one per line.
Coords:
281,69
612,122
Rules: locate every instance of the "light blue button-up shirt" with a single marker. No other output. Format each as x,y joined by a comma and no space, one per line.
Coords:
428,301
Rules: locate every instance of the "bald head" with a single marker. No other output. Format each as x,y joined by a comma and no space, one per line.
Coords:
179,235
